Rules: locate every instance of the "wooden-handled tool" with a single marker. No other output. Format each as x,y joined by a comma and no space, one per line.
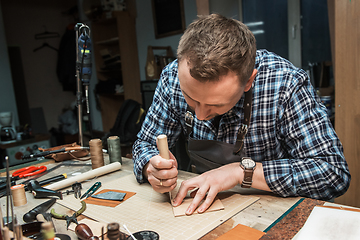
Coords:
84,232
163,151
45,153
163,146
33,213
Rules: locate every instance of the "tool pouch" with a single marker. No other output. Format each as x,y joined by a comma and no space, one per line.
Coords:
63,156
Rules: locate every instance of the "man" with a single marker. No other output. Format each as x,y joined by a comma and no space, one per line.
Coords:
251,118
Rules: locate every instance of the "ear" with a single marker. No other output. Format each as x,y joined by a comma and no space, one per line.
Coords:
250,81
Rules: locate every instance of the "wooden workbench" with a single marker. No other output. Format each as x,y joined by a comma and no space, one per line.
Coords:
260,215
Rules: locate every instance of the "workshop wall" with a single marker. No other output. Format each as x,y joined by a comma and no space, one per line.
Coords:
145,27
22,20
7,96
145,30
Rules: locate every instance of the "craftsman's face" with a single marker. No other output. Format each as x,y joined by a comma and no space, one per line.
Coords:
212,98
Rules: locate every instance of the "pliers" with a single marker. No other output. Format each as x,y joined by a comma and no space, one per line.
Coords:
72,218
28,171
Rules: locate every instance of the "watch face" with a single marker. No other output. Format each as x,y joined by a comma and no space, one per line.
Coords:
248,163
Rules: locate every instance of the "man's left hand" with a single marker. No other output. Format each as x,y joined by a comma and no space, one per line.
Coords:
208,185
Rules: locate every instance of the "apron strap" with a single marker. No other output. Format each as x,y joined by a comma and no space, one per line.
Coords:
189,120
245,125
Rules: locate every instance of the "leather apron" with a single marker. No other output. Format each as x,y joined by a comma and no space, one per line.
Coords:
211,154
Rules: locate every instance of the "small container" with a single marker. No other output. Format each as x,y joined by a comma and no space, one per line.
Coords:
114,149
19,136
145,235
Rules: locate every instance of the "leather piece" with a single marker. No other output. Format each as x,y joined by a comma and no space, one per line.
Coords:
111,195
108,203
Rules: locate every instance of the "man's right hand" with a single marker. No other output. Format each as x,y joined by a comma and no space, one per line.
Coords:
161,173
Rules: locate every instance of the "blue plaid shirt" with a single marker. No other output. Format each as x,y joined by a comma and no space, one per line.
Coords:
289,132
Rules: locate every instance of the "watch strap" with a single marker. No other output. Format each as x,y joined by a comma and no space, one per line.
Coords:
248,175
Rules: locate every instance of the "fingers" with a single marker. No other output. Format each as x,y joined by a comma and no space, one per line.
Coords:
161,174
160,163
203,193
208,201
172,157
163,185
183,190
200,195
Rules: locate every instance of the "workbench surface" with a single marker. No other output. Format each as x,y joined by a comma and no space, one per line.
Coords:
260,215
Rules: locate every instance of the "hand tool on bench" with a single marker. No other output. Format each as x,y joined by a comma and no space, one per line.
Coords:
83,232
3,185
72,218
45,153
28,172
65,163
41,192
23,173
75,188
163,151
42,208
91,190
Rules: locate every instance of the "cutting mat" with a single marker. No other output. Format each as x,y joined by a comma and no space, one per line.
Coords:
149,210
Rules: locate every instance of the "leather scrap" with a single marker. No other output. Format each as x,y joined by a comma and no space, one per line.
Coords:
108,203
114,196
242,232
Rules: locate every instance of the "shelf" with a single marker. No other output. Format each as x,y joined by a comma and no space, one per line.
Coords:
116,44
113,40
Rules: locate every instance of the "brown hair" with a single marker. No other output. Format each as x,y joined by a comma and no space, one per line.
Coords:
213,45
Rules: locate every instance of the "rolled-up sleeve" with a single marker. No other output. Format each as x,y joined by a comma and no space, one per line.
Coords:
160,119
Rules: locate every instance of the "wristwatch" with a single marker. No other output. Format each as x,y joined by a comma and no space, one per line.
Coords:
248,165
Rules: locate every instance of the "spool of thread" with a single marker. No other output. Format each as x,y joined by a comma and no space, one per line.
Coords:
114,149
97,157
47,231
113,231
19,197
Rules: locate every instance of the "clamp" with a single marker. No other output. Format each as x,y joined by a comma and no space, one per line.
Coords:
76,189
72,218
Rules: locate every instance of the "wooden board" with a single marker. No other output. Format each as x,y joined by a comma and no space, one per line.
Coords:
149,210
347,90
242,232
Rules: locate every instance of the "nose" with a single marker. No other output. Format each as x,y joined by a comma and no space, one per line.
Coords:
202,111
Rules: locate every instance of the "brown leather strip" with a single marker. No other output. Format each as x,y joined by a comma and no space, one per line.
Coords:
246,123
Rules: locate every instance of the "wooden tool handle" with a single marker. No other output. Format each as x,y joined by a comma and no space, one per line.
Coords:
84,232
163,146
40,218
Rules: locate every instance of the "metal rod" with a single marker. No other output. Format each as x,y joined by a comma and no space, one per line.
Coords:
7,189
79,89
132,236
9,195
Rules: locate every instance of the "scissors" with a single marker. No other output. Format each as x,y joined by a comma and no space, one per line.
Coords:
29,171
